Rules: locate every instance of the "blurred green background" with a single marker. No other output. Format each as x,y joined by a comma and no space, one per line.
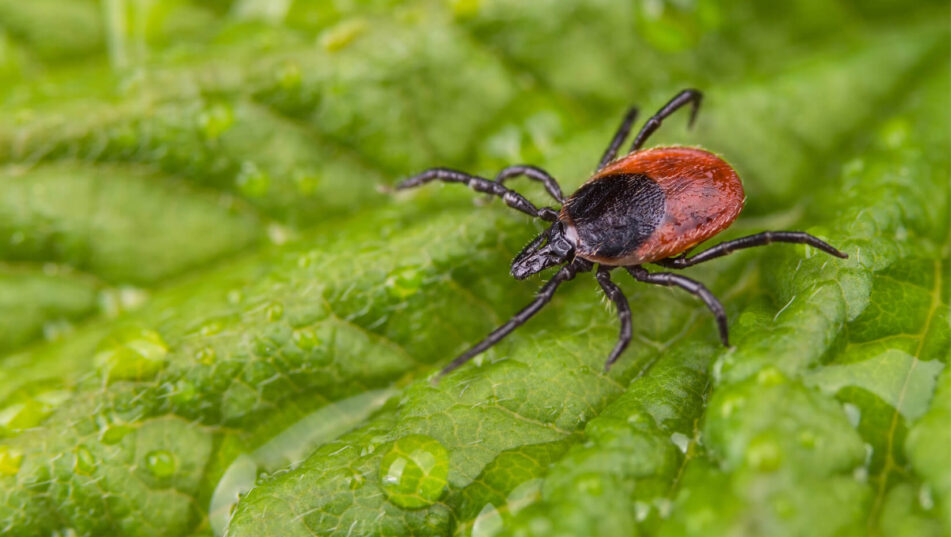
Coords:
205,294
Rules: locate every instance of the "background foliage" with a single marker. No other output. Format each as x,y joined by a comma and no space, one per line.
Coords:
213,322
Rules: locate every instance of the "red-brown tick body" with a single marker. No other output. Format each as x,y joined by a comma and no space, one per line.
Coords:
651,205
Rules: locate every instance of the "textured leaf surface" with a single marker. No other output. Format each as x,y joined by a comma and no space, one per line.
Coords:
214,323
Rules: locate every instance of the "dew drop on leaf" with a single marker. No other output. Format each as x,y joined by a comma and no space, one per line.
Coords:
681,441
85,461
274,311
306,339
215,120
131,354
252,181
9,461
414,471
764,454
160,462
113,434
357,481
205,355
404,281
28,409
211,328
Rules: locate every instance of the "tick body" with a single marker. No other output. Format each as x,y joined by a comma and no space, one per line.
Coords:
648,207
651,205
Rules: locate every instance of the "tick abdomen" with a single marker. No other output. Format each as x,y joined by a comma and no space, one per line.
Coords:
653,204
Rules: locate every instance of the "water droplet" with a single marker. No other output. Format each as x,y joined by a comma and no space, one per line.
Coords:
342,34
28,408
404,282
357,480
414,471
637,417
770,376
215,120
307,339
211,328
807,439
853,413
590,484
56,328
205,355
182,392
252,181
641,510
288,75
113,434
235,296
664,506
274,311
731,403
9,460
133,353
278,234
681,441
264,346
925,497
85,461
764,454
161,463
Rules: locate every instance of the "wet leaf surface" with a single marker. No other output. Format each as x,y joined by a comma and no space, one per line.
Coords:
213,322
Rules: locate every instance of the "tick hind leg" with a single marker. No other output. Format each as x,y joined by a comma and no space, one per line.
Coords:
481,184
544,296
691,286
623,313
760,239
622,131
534,173
686,96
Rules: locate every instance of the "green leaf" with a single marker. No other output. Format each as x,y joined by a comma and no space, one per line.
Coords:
213,322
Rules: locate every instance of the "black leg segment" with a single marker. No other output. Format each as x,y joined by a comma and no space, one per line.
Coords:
686,96
691,286
623,313
622,131
536,174
545,294
760,239
481,184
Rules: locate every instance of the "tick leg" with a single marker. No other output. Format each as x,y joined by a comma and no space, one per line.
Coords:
623,313
691,286
535,173
481,184
686,96
622,131
760,239
544,295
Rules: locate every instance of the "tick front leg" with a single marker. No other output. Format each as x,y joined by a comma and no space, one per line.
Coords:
623,313
481,184
536,174
760,239
691,286
622,131
545,294
686,96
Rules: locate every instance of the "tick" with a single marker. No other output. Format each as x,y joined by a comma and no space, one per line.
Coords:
648,206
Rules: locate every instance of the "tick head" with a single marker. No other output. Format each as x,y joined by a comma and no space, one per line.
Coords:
552,247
